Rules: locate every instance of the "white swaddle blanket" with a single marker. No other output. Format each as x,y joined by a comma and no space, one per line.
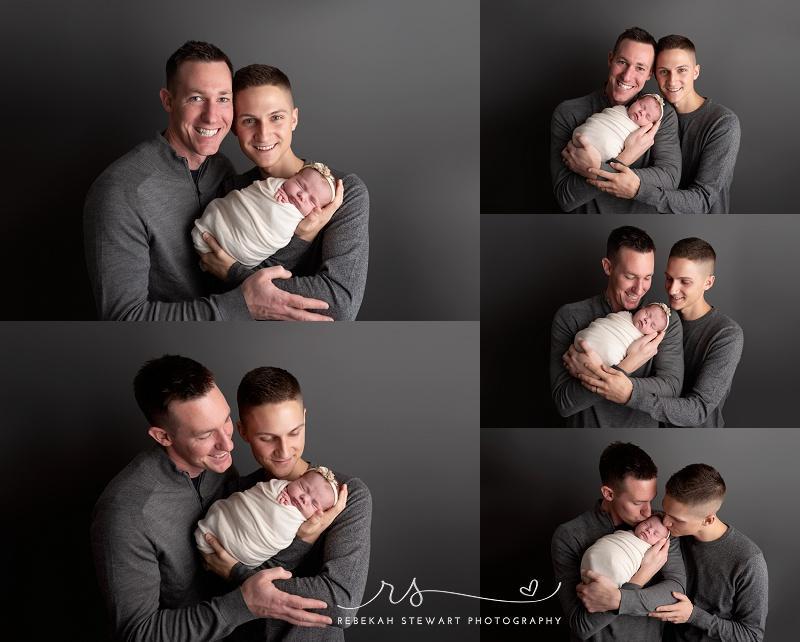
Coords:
249,223
251,525
607,130
610,336
617,556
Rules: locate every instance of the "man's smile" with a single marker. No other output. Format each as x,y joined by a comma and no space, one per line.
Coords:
206,133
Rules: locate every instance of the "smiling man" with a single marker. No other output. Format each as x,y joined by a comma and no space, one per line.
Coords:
139,212
726,583
709,136
652,152
655,362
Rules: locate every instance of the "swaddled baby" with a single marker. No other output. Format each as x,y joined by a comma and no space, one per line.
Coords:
611,335
607,130
253,223
619,555
255,524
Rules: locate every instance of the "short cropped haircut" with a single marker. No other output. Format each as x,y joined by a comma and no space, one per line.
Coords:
630,237
194,50
696,484
267,385
675,42
170,378
637,35
259,76
620,460
694,249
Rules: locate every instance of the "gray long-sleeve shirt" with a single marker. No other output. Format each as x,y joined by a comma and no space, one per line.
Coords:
710,137
138,219
712,348
334,569
659,167
570,541
148,567
727,584
662,375
333,267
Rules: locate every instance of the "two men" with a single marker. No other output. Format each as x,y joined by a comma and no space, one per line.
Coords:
149,570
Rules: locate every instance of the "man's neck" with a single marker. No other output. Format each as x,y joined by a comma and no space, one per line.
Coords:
193,160
690,103
287,167
712,532
699,309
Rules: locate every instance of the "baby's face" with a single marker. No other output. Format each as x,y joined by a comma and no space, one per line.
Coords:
306,190
310,493
644,111
651,530
650,319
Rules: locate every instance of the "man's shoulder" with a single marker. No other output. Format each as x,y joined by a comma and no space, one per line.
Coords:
724,323
575,111
591,307
742,546
134,484
576,528
720,113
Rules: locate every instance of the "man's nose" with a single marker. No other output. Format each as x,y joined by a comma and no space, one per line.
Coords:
646,511
225,442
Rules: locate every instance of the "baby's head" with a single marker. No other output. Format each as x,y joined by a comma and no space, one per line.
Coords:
651,530
316,489
652,318
313,186
647,109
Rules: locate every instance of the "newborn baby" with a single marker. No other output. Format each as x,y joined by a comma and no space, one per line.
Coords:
610,336
619,555
607,130
255,524
253,223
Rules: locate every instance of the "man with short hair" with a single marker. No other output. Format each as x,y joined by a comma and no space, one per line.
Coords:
726,589
329,559
652,152
139,212
142,532
709,137
655,362
601,611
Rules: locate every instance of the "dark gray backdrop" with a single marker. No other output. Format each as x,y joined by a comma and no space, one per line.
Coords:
395,404
533,265
535,55
388,90
533,481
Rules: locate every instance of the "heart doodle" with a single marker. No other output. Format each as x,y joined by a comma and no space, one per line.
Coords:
530,590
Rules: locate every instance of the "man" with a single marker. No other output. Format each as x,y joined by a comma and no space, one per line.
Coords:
139,212
629,265
712,345
726,597
147,565
652,151
601,611
709,137
330,564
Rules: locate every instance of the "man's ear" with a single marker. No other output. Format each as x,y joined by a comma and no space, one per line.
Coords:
166,99
696,71
295,117
709,282
160,435
242,431
606,266
607,492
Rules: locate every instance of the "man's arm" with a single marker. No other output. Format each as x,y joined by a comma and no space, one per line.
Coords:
570,190
666,376
636,600
664,168
749,610
710,387
714,174
341,277
566,558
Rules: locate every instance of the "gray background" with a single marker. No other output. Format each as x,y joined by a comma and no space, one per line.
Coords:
533,266
388,90
535,55
395,404
533,481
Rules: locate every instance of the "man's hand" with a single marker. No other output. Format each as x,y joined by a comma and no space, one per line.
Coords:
638,142
641,351
622,184
310,226
579,158
220,561
576,361
265,301
217,261
312,528
677,613
598,593
264,599
653,560
607,382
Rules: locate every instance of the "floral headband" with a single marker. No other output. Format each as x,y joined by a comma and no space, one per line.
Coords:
327,473
325,171
663,306
660,101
